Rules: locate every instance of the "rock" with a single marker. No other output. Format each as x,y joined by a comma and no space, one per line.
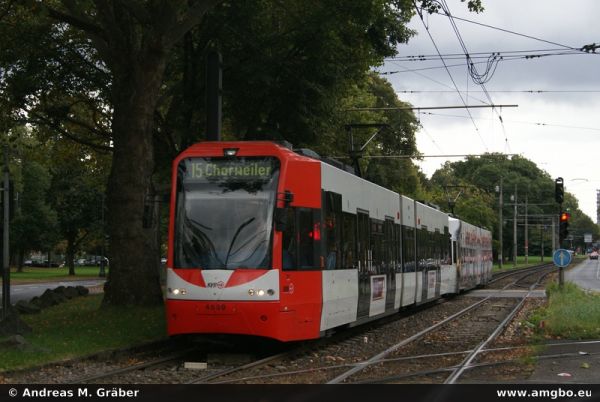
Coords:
71,292
13,341
12,324
83,291
25,307
48,299
59,294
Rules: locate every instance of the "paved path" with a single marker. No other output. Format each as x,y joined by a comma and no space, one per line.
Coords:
586,275
26,292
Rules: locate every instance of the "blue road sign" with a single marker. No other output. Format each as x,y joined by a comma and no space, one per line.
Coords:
561,257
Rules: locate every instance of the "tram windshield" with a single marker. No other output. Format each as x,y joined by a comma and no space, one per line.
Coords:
224,212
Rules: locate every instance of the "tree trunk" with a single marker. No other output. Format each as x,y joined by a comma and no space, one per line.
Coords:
135,254
70,257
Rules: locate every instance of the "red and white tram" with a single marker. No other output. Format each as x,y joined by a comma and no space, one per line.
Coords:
264,241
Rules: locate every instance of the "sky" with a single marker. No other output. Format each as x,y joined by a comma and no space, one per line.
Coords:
558,129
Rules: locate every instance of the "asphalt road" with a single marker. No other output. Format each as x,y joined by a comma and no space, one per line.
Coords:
26,292
585,275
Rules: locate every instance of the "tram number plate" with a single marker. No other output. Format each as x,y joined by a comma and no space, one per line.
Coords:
217,308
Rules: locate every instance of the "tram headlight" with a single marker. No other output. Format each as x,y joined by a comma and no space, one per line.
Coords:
261,292
230,152
177,291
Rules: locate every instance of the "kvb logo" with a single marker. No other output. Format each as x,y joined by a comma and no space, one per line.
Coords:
218,285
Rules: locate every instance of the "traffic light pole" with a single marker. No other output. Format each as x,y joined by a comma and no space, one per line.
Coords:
561,272
559,196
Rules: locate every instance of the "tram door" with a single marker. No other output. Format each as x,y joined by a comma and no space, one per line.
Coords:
364,263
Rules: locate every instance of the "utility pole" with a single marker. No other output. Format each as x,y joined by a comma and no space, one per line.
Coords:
542,228
5,241
526,233
500,224
515,231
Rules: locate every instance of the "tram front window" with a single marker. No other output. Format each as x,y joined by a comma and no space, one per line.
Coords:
224,212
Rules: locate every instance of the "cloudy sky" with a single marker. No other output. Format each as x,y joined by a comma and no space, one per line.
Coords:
557,128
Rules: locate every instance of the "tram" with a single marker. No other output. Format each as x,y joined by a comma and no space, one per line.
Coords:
274,243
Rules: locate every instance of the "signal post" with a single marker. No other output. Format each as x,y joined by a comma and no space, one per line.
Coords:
563,227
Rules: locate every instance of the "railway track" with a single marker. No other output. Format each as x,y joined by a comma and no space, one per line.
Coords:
452,332
333,365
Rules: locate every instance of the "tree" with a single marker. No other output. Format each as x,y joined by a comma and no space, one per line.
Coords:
531,184
110,69
76,193
35,222
132,40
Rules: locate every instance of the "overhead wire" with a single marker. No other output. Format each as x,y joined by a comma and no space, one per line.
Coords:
516,33
532,53
541,124
476,76
420,13
530,91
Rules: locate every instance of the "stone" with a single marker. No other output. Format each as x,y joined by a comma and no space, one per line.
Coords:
25,307
12,324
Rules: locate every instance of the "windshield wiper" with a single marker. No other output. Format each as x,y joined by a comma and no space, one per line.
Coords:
235,236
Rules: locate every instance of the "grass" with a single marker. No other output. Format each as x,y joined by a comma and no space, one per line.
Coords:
80,327
532,260
34,274
570,313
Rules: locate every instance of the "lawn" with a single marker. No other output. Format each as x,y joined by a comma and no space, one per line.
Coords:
34,274
532,260
570,313
80,327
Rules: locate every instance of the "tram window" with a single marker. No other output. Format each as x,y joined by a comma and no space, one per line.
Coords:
377,247
397,247
408,249
289,249
389,248
309,232
454,252
333,230
348,241
363,226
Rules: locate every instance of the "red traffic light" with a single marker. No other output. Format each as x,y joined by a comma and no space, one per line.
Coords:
564,216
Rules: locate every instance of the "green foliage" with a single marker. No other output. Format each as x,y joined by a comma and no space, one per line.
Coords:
113,76
570,313
56,337
477,178
35,223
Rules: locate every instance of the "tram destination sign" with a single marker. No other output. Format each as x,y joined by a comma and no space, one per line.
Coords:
241,168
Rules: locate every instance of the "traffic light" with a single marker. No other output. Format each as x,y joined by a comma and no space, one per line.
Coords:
563,228
559,190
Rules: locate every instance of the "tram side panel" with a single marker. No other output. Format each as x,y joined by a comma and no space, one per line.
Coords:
363,283
432,251
298,244
474,259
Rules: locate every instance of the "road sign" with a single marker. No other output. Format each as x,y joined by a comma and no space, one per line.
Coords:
561,257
